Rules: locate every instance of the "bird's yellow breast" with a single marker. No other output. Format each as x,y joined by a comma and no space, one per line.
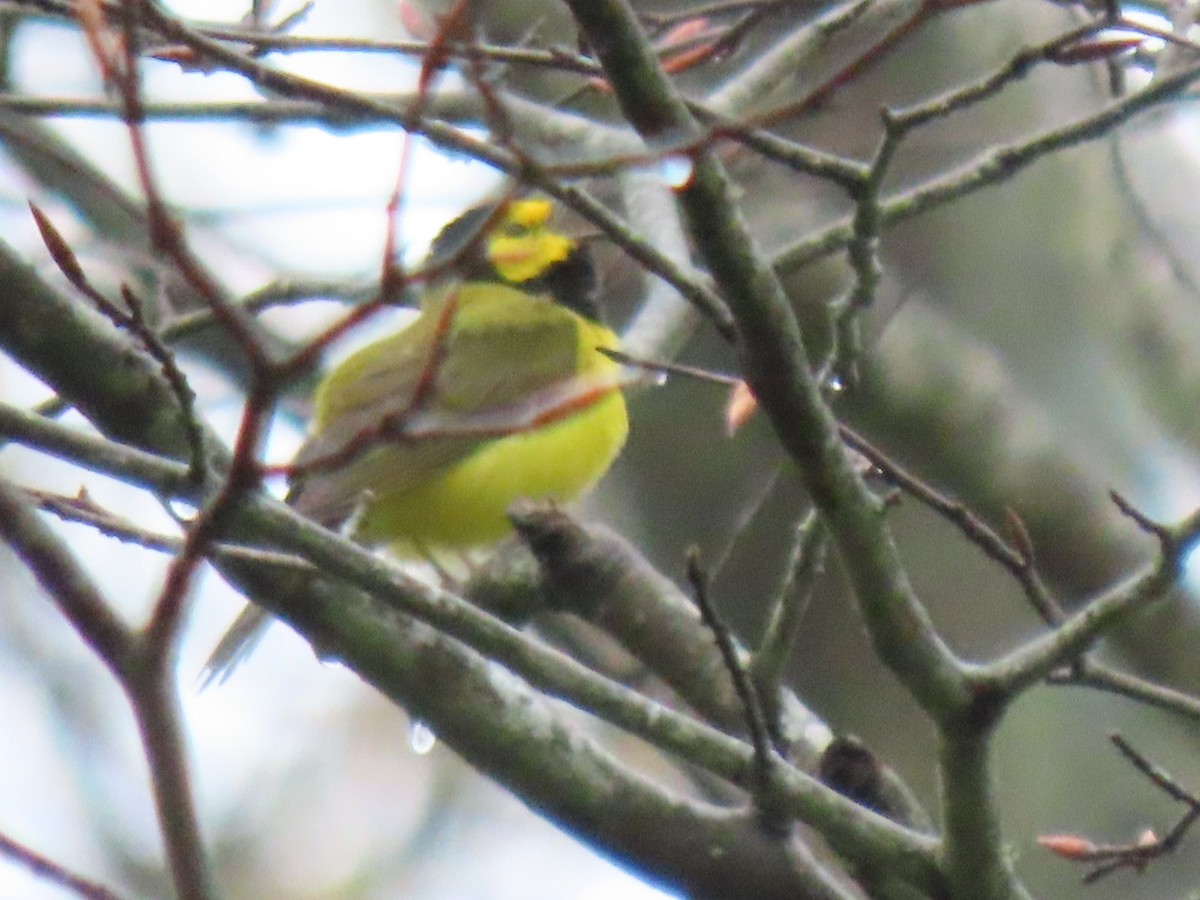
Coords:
465,504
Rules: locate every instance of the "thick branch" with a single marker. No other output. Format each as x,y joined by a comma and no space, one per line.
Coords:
776,365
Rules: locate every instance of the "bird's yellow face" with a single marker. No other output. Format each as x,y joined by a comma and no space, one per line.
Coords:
522,246
519,244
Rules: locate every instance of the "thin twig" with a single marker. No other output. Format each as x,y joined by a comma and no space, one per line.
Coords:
1017,562
83,510
134,322
775,651
1086,672
996,165
756,721
48,870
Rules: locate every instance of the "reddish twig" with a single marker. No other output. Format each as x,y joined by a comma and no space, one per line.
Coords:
1135,855
46,869
133,322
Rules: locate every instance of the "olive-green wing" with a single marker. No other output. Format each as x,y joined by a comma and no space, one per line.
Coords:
413,404
505,346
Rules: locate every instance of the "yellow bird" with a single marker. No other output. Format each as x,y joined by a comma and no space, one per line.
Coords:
498,390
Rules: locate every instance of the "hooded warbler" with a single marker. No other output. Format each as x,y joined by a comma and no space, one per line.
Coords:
496,391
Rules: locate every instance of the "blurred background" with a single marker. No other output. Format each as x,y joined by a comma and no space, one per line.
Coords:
1035,346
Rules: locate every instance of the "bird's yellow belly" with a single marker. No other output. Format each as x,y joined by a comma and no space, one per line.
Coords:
465,506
